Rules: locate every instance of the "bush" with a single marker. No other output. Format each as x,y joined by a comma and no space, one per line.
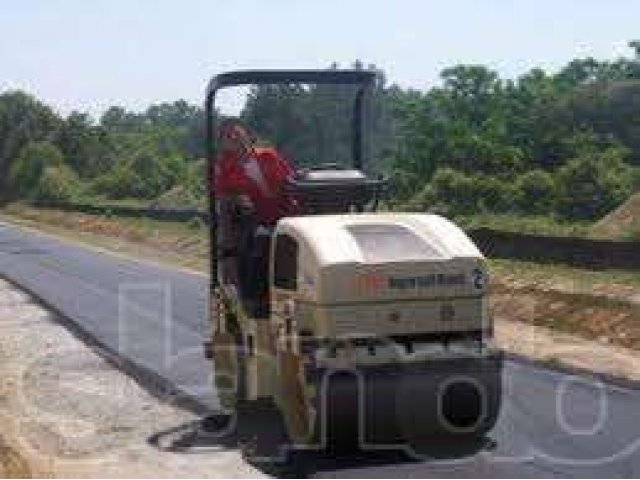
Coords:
535,192
28,167
635,179
593,184
455,190
422,201
143,175
493,195
466,194
402,184
57,184
119,183
196,179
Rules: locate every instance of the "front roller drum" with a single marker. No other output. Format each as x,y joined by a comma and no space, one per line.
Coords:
400,406
453,399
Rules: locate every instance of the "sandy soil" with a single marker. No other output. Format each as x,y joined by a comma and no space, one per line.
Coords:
606,313
623,222
557,348
66,412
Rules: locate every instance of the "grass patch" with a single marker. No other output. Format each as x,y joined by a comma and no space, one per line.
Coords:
543,272
183,244
596,305
541,225
591,317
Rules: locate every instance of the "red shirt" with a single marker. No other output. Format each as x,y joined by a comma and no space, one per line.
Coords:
260,175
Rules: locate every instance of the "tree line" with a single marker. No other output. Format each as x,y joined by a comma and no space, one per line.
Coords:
123,155
563,144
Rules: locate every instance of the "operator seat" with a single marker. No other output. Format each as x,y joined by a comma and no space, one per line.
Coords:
332,189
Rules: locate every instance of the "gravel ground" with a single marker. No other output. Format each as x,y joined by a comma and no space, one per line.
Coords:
66,412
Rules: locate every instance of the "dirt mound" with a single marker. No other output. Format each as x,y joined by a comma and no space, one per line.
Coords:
622,223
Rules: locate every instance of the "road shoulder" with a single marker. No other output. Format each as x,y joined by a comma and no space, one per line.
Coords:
67,412
557,349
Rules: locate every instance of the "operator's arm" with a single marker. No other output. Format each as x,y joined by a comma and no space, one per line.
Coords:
278,172
276,168
225,182
229,183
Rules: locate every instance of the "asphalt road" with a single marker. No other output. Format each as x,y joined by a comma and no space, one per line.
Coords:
552,423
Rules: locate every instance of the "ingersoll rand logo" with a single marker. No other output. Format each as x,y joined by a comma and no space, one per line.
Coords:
368,283
372,283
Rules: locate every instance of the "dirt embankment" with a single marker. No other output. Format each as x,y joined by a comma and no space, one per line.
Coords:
66,412
622,223
579,319
568,350
607,313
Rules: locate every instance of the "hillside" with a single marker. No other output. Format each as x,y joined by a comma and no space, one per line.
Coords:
621,223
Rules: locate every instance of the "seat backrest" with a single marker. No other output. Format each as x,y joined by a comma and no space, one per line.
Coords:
334,191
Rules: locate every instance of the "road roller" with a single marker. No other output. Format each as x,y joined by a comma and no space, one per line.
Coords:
344,325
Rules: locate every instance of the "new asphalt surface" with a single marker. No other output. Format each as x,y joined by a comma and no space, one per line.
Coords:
553,423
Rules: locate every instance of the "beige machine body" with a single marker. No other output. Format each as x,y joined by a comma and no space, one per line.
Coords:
378,275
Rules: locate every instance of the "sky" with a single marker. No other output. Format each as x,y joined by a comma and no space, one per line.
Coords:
89,54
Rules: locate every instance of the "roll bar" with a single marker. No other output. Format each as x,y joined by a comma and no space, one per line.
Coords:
365,80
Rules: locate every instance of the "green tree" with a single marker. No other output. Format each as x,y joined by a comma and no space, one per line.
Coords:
593,184
454,192
23,120
88,149
28,167
120,182
536,192
57,184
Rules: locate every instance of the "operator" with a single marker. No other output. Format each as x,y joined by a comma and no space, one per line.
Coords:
253,176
